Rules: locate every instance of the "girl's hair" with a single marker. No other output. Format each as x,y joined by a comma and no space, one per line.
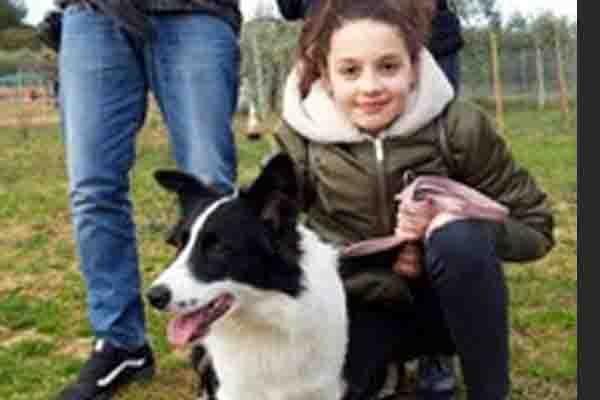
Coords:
411,17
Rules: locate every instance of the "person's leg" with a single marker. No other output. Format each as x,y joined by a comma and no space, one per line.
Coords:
194,74
467,276
450,64
193,68
436,373
436,378
376,336
295,9
380,337
103,101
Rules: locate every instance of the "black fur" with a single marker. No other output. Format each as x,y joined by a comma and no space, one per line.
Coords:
251,239
208,382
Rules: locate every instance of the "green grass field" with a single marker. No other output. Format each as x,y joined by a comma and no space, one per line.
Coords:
44,334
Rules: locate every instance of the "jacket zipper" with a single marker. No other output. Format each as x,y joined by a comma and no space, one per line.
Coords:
382,187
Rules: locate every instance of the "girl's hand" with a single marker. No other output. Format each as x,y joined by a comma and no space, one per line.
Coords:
412,221
409,262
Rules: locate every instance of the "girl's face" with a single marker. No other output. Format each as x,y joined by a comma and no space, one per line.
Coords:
369,73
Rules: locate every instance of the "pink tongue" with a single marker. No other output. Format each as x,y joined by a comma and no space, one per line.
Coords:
182,328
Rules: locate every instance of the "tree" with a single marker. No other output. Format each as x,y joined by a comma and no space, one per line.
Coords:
12,13
19,37
268,49
545,29
475,12
518,57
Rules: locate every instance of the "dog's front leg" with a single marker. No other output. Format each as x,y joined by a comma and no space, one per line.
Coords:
208,382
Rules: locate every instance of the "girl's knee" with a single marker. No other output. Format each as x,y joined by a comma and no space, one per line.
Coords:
462,246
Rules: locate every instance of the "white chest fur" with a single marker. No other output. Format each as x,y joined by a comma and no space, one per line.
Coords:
275,347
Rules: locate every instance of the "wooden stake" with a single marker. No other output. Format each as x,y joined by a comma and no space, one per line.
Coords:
497,82
253,130
562,83
541,89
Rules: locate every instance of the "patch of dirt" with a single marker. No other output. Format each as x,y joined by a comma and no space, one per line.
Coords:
4,333
31,122
39,285
539,388
79,348
21,336
11,282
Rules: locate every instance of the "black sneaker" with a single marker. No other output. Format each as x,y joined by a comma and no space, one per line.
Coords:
108,369
436,378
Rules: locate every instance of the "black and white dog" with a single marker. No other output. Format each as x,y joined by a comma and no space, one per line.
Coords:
260,291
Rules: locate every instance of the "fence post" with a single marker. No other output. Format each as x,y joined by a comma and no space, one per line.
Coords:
497,82
523,71
541,88
253,126
562,83
260,78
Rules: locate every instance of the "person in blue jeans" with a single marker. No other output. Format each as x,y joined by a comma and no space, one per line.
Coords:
436,375
112,54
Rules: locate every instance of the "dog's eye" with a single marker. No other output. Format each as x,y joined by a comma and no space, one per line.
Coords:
183,239
212,245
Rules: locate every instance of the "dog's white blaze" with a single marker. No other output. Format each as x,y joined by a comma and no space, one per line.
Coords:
199,224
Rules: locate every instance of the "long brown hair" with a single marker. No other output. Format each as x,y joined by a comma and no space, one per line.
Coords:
411,17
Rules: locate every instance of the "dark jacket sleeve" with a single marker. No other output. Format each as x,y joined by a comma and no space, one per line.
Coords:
294,9
486,164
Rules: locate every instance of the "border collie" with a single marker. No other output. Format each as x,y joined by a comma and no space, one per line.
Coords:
258,290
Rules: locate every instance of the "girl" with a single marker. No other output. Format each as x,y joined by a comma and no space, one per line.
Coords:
366,109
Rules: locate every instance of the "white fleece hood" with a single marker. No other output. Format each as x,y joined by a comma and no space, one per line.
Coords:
317,117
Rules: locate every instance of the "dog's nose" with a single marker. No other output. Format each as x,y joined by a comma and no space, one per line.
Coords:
159,296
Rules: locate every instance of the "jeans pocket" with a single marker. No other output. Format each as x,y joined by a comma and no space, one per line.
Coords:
82,20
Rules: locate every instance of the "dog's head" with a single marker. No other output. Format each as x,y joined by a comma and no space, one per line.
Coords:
231,249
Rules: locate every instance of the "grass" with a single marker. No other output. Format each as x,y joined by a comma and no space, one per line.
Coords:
44,333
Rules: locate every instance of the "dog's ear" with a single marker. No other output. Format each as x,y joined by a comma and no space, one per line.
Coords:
274,193
177,181
277,175
279,213
188,188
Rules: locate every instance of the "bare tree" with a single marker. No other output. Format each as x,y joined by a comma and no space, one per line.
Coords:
12,13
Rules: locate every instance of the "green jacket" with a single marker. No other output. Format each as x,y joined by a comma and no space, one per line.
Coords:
349,181
341,191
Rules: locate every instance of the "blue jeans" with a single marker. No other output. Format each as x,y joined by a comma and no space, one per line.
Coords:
191,64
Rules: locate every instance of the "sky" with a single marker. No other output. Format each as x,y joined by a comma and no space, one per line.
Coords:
37,8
